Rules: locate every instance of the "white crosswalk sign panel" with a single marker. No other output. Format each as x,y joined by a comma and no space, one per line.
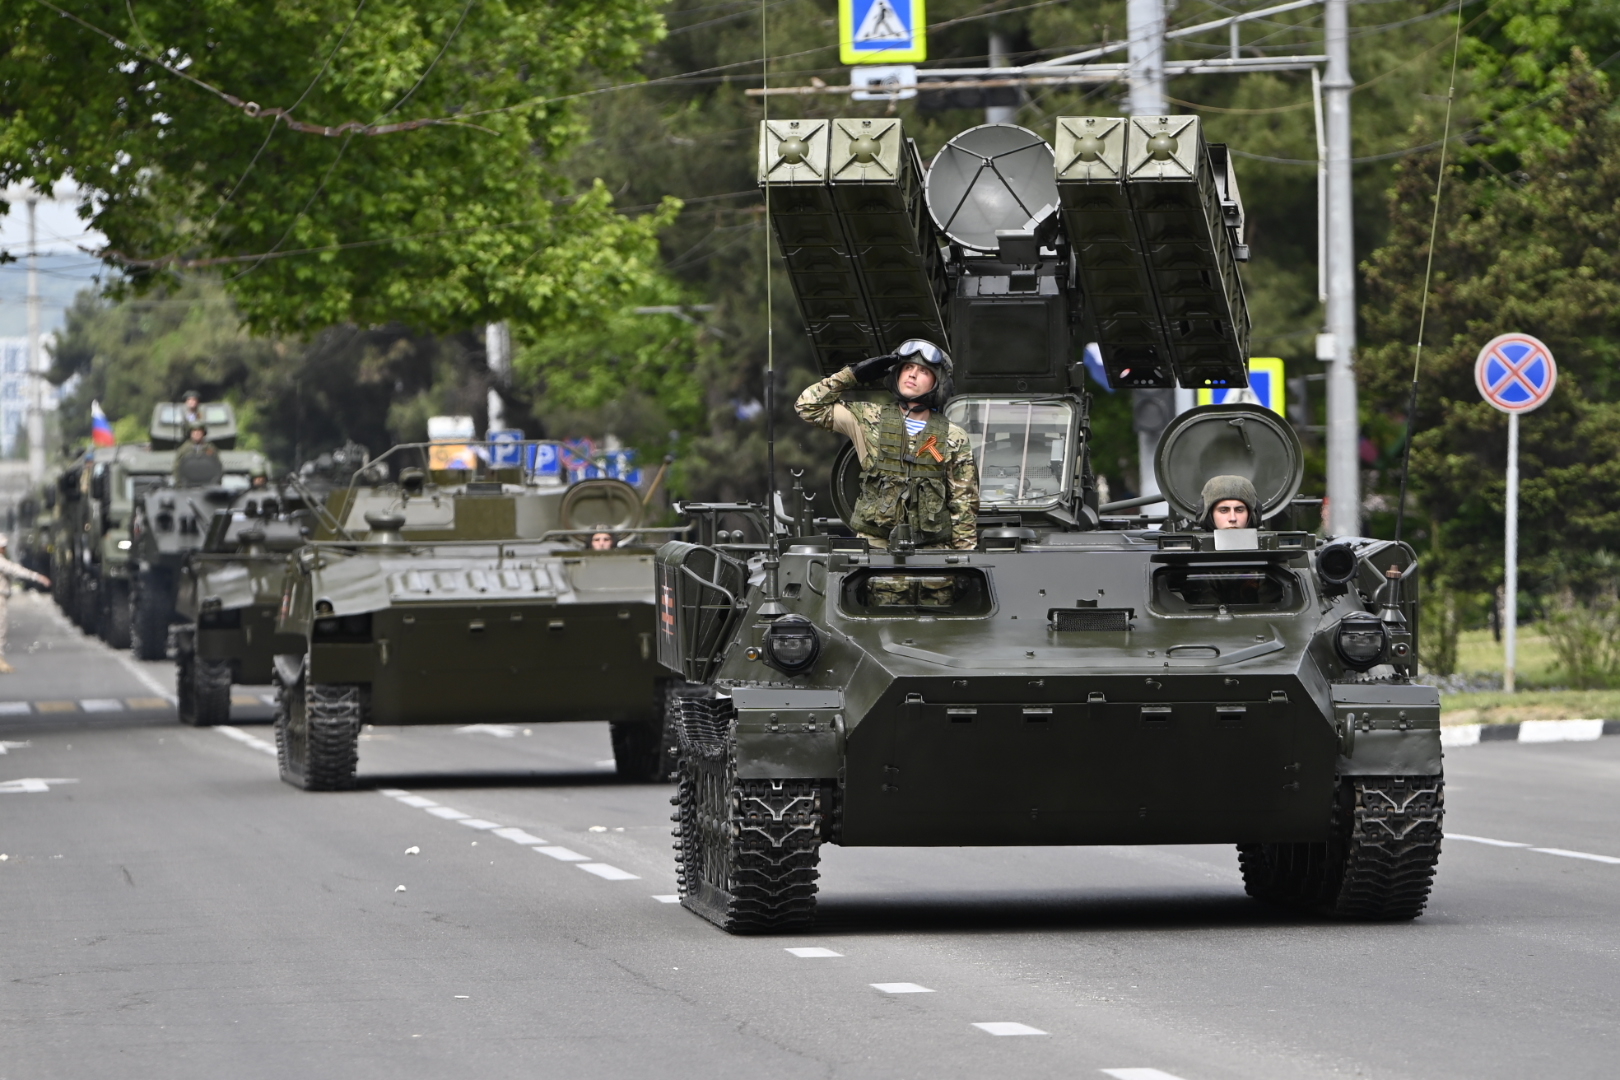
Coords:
882,31
1266,387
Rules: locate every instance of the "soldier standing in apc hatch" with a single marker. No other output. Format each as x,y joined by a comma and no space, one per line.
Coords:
1229,502
917,468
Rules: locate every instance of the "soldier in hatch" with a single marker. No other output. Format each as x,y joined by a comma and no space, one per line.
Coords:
917,468
1229,502
917,471
197,462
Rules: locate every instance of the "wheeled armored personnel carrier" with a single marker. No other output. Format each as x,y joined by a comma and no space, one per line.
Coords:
465,589
1077,678
112,481
171,519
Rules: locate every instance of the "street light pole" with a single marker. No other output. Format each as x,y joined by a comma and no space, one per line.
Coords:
1343,419
36,397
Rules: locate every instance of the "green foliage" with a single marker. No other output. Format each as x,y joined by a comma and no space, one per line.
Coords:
1585,637
1536,253
463,220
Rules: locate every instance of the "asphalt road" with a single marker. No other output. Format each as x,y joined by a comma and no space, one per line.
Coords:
170,909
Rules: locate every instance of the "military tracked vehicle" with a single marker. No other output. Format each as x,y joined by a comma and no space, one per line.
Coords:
171,519
465,590
230,597
1079,677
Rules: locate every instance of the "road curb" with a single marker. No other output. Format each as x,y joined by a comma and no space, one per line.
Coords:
1529,731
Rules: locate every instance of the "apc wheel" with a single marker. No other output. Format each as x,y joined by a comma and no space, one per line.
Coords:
644,753
86,604
1378,864
149,617
318,733
746,850
185,685
112,623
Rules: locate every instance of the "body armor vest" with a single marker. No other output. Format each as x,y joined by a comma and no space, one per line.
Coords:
899,487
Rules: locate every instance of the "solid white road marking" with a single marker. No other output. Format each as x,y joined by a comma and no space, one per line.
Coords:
15,708
517,836
417,801
562,854
8,747
246,740
1008,1027
606,872
1610,859
31,785
668,898
478,823
813,953
447,813
146,677
1481,840
105,704
901,988
500,731
1139,1074
392,792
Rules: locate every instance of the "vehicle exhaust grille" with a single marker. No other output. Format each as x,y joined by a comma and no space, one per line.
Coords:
1113,620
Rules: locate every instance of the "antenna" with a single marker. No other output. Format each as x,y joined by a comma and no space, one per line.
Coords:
772,605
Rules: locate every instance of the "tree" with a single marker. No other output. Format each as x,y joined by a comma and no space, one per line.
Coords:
1535,252
364,162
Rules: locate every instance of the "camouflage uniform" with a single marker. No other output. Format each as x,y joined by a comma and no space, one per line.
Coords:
901,475
8,571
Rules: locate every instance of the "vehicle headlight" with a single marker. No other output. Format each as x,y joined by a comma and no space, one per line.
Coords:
123,545
792,644
1361,641
1336,564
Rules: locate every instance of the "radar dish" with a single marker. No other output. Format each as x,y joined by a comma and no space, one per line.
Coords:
995,176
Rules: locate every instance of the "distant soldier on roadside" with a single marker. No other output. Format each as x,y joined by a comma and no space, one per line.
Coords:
10,571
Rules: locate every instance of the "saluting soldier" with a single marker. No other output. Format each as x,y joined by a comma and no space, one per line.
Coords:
917,468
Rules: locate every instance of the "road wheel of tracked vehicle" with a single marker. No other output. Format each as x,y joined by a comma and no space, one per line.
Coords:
318,733
644,752
746,850
112,623
1378,864
211,691
149,616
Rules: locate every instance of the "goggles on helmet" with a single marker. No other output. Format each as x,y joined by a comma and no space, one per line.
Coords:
918,350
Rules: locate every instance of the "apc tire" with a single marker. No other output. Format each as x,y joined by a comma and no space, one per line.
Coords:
86,604
318,732
644,752
149,617
112,623
1377,865
185,685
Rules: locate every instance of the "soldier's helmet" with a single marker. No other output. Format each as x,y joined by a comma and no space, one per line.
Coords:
922,351
1229,486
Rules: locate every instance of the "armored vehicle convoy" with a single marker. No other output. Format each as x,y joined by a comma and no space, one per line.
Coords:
467,590
111,483
171,519
229,599
1077,678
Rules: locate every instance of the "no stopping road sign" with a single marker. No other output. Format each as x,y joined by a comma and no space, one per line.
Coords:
1515,373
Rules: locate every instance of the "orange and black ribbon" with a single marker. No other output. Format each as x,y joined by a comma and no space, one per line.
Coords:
930,446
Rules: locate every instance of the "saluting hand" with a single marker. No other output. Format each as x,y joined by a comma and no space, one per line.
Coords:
874,368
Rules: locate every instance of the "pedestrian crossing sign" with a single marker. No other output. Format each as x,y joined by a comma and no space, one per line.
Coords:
882,31
1266,387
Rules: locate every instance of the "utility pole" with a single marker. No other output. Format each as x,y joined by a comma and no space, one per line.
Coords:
1343,419
498,353
1000,114
36,377
1151,410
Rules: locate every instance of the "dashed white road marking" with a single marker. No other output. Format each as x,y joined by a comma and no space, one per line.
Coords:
901,988
105,704
500,731
8,747
245,739
1139,1074
517,836
606,763
31,785
392,792
1562,852
606,872
447,813
812,953
562,854
478,823
416,801
15,708
1008,1027
668,898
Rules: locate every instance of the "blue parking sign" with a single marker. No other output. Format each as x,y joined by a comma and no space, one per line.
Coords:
546,462
505,449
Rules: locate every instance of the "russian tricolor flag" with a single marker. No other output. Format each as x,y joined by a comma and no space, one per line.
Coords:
101,432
